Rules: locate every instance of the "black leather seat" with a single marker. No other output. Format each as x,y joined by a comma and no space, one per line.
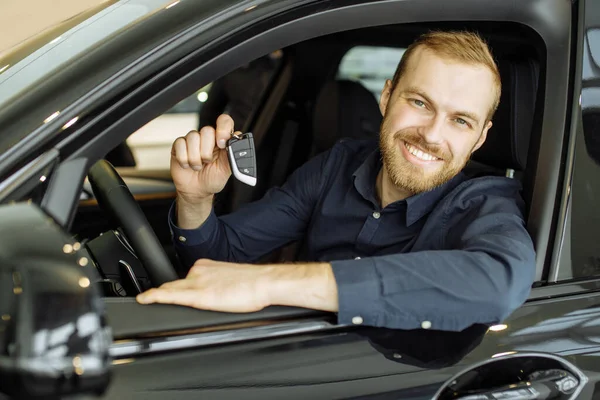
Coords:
344,108
507,143
347,109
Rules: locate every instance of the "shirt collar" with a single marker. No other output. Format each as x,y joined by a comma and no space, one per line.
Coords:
417,206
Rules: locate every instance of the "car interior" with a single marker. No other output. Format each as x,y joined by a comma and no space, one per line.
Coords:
307,106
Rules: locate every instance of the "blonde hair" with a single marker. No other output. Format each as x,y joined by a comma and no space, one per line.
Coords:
461,46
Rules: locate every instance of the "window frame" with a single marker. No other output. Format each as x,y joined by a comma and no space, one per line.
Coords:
561,259
153,97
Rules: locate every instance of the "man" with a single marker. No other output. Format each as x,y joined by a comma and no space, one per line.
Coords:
402,238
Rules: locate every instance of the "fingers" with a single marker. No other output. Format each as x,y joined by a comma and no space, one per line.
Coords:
179,151
185,297
197,148
193,145
166,289
224,130
207,144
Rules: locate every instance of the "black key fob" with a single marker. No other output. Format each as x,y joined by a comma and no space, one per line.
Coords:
242,158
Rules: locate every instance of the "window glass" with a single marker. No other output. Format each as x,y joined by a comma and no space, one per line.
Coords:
238,94
150,145
580,254
370,66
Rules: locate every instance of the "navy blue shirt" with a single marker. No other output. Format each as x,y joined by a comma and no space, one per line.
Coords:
443,259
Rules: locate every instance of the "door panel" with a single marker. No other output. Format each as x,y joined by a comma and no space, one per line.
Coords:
363,362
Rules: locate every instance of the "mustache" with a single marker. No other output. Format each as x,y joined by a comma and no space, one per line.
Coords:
411,137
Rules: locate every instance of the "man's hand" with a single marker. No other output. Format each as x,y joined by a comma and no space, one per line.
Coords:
199,164
229,287
200,169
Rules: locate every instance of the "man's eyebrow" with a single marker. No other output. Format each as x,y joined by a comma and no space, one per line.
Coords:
417,91
469,115
465,114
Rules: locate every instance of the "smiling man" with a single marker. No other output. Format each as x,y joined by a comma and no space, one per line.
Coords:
397,234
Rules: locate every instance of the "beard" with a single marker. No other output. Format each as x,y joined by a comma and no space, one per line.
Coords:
413,178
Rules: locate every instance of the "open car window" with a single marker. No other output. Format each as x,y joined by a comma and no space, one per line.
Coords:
150,144
238,94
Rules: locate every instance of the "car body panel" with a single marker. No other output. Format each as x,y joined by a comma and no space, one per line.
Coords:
356,361
293,353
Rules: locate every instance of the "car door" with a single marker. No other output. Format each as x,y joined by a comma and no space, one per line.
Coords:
174,352
310,356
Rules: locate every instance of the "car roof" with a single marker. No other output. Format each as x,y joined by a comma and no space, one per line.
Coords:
63,63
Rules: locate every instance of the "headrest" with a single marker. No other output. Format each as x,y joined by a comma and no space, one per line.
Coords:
344,109
507,141
347,109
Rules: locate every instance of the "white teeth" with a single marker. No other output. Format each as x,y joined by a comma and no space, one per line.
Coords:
419,154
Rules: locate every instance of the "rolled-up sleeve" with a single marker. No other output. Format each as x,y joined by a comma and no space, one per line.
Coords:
485,274
257,228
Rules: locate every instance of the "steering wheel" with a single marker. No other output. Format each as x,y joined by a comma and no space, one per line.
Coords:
114,197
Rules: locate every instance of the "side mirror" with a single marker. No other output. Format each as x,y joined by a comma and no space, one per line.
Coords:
54,340
514,375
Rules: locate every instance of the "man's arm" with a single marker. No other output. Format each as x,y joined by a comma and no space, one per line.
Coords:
258,228
229,287
448,290
486,277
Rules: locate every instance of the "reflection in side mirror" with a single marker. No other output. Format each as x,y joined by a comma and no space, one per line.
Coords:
53,336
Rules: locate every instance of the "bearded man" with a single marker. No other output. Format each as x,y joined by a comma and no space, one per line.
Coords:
399,235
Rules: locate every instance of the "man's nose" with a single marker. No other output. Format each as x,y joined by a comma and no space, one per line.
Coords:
432,131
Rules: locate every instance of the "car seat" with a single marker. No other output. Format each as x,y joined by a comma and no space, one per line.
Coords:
347,109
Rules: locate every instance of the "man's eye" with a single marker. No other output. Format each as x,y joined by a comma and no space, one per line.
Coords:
461,121
419,103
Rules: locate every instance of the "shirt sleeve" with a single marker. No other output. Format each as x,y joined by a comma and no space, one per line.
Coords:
485,275
256,229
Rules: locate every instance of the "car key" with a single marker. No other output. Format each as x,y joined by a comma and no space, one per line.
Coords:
242,158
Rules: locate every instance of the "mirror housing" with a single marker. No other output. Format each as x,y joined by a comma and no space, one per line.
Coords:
54,340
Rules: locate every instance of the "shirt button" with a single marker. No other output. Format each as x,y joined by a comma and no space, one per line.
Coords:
376,215
357,320
425,324
182,239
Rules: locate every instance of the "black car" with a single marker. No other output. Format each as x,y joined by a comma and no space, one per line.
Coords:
79,238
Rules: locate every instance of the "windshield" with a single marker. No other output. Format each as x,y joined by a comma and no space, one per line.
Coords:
25,65
36,17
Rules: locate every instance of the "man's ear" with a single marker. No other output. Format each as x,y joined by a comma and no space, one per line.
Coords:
483,136
386,93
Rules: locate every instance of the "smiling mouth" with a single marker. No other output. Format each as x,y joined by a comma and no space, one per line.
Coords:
420,154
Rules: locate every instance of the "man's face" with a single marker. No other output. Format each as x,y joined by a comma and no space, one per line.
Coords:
434,118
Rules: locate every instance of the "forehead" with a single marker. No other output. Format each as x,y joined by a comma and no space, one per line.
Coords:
451,84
